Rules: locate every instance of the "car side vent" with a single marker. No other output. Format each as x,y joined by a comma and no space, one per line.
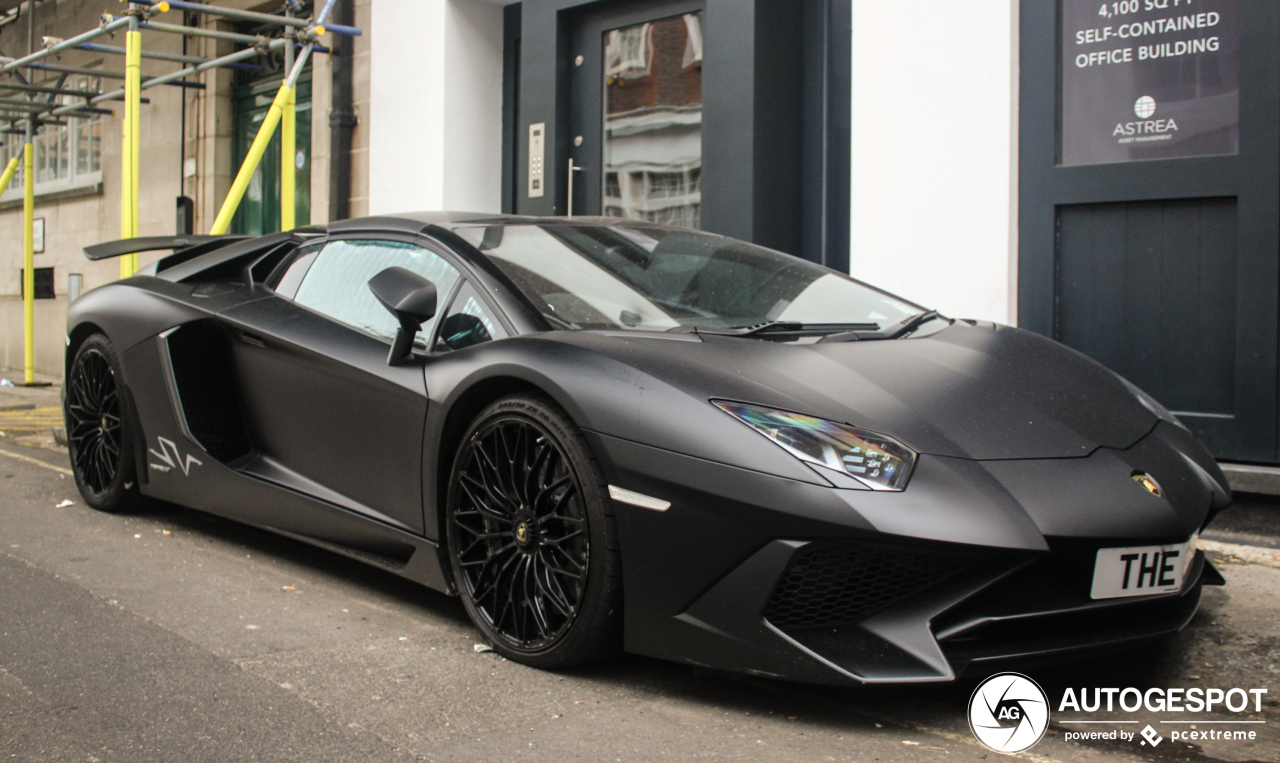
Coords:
831,583
208,393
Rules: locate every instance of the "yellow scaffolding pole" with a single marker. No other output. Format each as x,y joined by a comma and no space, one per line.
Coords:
28,264
131,147
9,170
288,175
251,160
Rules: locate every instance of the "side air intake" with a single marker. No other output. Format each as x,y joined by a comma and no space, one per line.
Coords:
208,395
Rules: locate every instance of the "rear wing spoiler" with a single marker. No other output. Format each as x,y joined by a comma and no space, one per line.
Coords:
153,243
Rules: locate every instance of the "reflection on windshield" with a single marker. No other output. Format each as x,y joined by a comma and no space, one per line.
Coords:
657,279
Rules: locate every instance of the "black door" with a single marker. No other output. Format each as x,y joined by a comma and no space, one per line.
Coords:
636,112
327,414
731,116
1149,189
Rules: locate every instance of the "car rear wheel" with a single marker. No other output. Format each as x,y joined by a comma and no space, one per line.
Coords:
532,541
99,432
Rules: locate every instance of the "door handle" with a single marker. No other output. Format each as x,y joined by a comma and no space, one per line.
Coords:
252,339
572,169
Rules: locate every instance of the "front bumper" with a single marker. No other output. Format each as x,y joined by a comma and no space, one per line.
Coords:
753,573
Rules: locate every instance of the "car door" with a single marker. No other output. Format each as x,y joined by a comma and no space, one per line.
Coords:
328,416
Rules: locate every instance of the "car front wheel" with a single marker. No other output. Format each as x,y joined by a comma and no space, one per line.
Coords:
531,539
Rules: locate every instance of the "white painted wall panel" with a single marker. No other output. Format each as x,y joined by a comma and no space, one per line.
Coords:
435,116
934,192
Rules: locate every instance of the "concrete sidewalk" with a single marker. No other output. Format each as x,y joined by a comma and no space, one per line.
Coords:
39,397
28,415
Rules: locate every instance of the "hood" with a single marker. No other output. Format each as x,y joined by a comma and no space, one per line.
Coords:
975,392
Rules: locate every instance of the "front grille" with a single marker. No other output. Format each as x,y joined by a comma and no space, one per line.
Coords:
839,582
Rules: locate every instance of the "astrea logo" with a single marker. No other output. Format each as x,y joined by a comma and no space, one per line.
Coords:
1146,128
1009,713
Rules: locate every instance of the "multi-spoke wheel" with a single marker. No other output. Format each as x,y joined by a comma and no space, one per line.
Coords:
531,536
99,435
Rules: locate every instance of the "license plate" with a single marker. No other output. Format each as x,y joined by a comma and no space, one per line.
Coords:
1140,570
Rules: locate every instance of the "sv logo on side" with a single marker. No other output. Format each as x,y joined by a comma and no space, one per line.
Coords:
171,457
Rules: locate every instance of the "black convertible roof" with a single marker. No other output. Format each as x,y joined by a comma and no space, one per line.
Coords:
416,221
189,246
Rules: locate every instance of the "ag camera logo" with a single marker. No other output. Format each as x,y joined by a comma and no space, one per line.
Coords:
1009,713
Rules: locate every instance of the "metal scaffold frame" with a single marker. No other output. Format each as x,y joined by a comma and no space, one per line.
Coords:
299,38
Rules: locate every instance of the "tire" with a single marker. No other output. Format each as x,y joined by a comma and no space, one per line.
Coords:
100,436
531,534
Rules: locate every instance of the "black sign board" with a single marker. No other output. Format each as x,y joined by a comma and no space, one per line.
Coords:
1148,79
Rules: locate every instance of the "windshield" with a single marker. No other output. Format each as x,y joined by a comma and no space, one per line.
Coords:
659,279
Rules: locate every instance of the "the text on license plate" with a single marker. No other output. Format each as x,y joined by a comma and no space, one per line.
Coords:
1140,570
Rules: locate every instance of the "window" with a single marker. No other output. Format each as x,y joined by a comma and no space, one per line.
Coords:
628,52
650,278
337,283
44,284
469,321
288,277
64,156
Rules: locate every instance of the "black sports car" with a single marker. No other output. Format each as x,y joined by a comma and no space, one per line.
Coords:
604,434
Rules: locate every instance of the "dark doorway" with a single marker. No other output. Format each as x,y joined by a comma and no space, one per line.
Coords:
259,212
636,113
727,115
1149,189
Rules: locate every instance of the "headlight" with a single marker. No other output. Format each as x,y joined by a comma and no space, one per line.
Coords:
1151,404
877,461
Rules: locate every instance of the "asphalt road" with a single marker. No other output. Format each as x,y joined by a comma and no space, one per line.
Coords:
177,636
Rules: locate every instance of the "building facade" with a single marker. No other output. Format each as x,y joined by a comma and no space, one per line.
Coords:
192,142
1105,174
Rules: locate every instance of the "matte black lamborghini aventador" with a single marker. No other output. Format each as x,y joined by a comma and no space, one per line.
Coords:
605,435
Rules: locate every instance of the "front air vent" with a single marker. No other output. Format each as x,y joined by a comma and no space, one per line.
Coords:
831,583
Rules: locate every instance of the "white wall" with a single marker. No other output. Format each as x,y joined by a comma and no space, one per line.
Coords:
435,113
934,196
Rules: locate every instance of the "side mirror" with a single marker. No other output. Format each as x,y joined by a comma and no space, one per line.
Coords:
411,299
461,330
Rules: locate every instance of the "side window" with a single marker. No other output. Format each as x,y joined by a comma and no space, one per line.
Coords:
468,322
286,280
337,282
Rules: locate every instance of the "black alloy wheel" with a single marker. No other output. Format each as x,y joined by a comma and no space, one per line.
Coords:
531,536
99,436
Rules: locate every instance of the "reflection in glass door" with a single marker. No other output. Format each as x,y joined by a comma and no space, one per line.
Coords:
652,131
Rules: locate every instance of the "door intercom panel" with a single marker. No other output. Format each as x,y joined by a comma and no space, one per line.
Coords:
537,157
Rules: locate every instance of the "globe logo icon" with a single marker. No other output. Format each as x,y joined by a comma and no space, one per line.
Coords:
1144,106
1009,713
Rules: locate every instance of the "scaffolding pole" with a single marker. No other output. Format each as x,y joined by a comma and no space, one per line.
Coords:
71,42
5,179
28,222
157,55
265,18
131,145
10,170
28,265
288,146
103,74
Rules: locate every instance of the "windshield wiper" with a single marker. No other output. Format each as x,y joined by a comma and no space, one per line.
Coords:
777,327
906,325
